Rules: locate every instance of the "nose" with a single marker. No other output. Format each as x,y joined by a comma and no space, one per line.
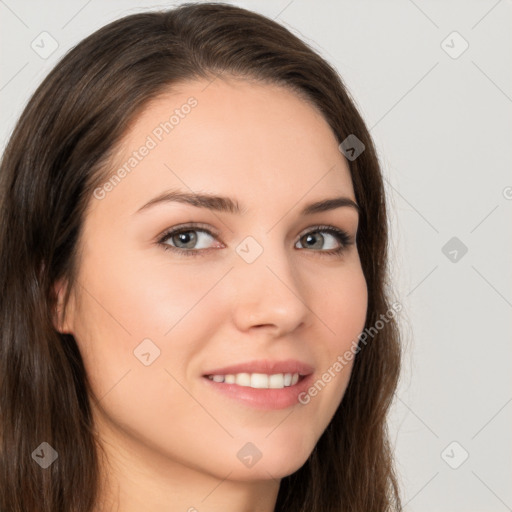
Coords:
268,294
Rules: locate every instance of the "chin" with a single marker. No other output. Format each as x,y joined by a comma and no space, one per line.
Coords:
276,465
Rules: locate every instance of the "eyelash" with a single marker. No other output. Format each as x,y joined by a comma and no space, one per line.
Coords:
342,236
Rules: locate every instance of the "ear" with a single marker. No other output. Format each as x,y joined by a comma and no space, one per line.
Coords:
60,318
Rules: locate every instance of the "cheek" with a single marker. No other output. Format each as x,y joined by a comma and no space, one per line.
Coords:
141,297
160,309
341,310
131,308
341,306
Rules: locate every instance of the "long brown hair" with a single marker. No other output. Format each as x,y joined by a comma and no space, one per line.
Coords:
59,152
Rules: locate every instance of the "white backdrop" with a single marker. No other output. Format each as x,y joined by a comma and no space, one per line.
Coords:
433,80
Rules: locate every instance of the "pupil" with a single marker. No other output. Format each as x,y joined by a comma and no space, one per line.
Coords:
186,238
313,240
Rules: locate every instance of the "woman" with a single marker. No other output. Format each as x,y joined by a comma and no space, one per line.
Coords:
193,259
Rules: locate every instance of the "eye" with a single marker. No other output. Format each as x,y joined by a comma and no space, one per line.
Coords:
336,239
187,240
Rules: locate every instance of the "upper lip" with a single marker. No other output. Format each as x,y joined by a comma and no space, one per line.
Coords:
266,366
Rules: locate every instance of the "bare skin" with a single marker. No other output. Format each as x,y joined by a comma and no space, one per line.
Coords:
171,439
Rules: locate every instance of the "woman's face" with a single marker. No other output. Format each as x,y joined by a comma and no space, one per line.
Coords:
263,288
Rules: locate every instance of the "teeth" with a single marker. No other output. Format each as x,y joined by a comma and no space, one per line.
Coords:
242,379
276,381
229,379
258,380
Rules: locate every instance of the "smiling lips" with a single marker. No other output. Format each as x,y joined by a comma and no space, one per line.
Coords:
263,383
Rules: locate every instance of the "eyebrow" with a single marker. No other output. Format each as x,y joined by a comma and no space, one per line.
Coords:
228,205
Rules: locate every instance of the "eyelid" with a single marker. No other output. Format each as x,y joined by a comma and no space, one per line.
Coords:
324,227
188,226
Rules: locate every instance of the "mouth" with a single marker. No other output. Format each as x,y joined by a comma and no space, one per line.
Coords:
262,384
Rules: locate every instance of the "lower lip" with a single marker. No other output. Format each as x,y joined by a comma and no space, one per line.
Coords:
263,398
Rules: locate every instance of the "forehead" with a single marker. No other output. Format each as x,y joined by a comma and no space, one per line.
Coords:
231,136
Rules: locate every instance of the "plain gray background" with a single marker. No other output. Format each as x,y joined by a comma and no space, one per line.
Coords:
441,120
